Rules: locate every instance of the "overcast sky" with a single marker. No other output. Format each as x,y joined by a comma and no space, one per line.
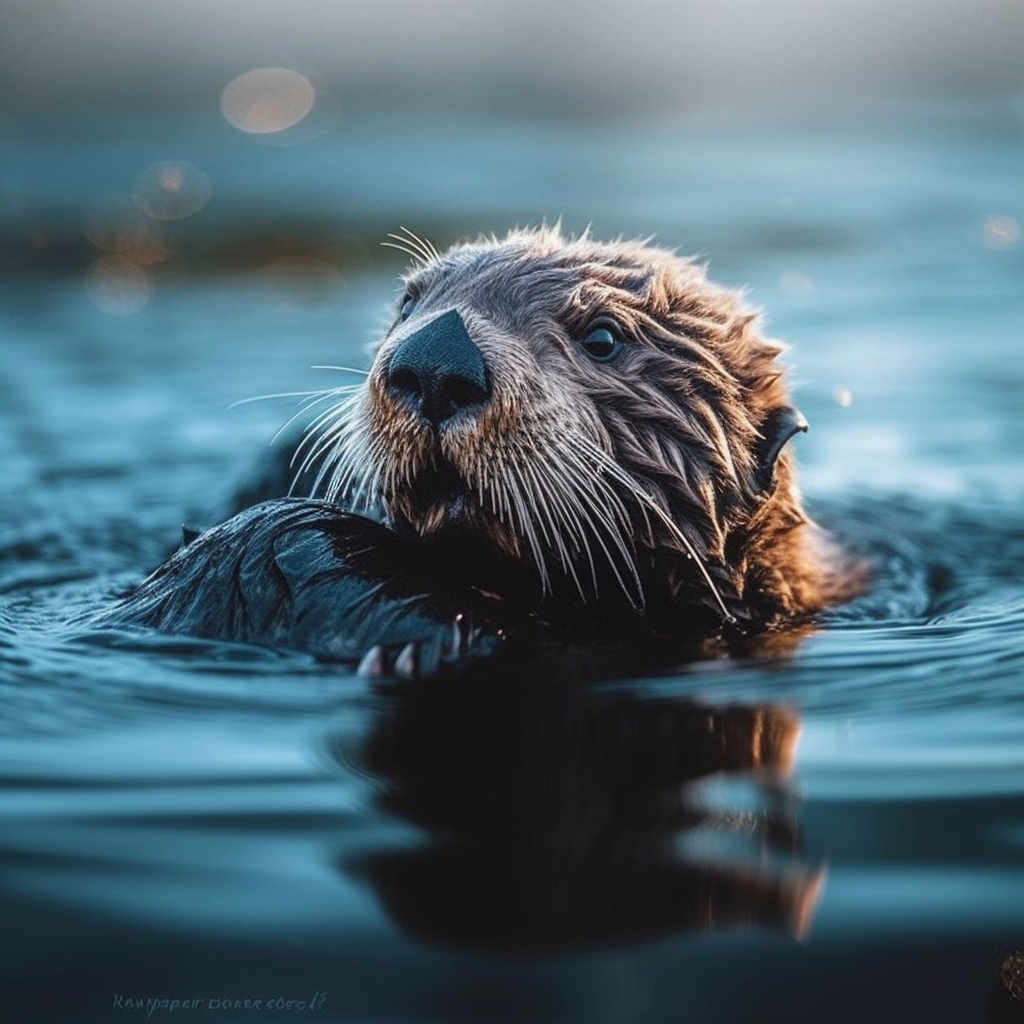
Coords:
61,57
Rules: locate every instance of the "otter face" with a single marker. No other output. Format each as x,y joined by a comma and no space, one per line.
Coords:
592,409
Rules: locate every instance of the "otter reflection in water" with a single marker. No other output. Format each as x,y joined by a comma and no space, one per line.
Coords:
562,817
588,433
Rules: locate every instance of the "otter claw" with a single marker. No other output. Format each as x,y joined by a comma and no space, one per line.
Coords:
458,645
372,665
407,664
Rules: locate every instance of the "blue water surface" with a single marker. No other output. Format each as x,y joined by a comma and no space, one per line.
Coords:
193,820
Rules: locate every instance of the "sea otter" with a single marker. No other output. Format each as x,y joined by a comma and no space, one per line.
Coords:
556,435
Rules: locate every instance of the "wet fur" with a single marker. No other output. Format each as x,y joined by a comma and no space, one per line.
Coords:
682,414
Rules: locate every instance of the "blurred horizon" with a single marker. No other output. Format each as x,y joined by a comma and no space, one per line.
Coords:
140,140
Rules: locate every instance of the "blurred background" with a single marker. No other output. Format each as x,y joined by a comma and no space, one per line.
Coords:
140,140
193,196
856,164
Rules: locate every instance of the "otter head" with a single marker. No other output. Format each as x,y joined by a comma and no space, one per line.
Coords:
600,413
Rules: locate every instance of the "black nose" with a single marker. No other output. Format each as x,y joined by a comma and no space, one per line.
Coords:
440,369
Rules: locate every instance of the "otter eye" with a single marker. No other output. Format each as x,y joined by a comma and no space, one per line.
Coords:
602,344
407,308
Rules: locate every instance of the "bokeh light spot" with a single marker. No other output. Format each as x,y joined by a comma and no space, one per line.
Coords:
115,225
1001,231
118,286
267,100
843,397
171,190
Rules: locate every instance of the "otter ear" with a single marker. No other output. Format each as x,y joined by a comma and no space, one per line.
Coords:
779,426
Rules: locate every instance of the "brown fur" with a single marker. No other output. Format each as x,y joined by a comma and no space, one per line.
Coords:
681,411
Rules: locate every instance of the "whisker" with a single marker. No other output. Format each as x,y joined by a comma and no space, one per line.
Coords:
343,369
415,256
616,538
526,526
411,246
616,507
340,484
427,247
326,431
586,526
319,446
339,449
333,418
346,464
267,398
585,513
619,474
548,529
334,413
304,407
550,496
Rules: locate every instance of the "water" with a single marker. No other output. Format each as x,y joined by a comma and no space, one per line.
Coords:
196,821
